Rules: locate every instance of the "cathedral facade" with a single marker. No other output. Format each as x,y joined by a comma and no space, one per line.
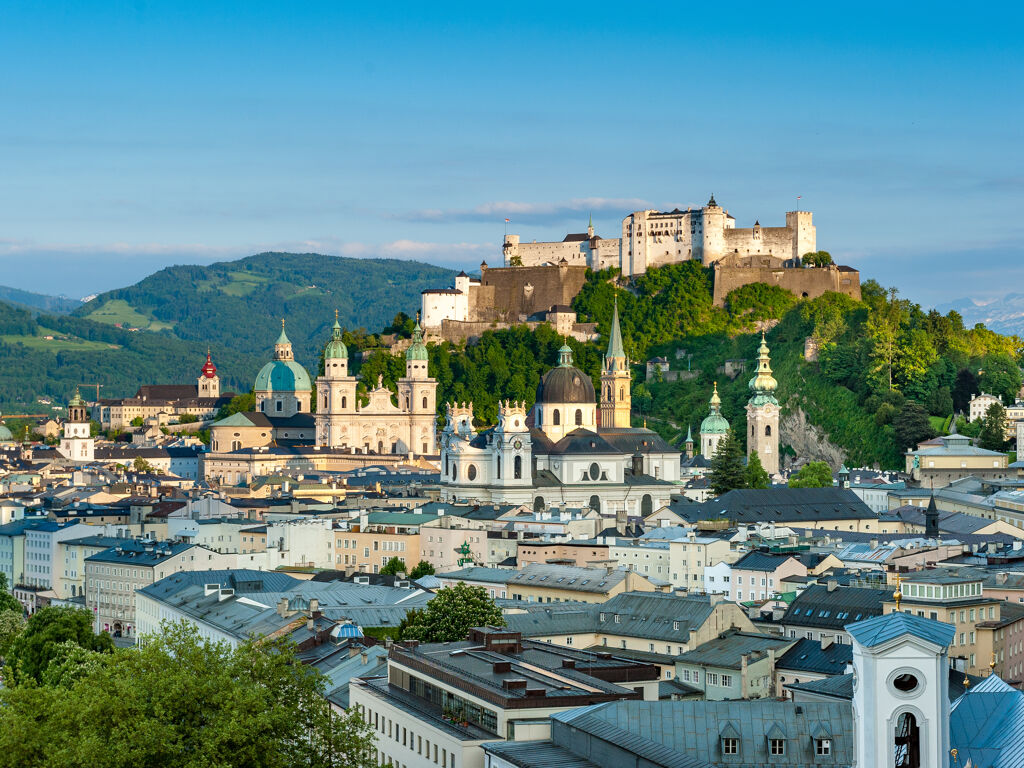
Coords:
568,449
381,425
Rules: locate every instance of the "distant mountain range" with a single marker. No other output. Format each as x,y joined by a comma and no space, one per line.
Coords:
1004,315
39,301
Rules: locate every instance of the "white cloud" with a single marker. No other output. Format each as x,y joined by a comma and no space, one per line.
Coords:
537,212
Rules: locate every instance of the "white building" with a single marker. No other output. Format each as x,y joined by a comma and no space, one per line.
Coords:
41,545
562,453
77,443
980,404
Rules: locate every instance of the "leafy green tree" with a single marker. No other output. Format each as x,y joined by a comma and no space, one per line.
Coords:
817,258
188,418
95,428
394,566
992,436
181,700
238,404
727,470
423,568
137,421
755,475
8,602
11,625
1001,376
911,426
883,328
816,474
965,386
885,414
141,465
46,630
450,614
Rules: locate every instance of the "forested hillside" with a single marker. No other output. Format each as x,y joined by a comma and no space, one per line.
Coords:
49,355
885,364
241,303
38,301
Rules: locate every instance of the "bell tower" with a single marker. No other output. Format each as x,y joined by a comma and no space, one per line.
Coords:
900,691
763,413
77,443
208,384
616,400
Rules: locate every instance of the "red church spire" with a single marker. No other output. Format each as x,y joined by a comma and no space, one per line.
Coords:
209,369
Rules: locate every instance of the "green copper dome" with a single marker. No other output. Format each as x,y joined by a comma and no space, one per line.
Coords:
417,350
5,434
77,399
336,349
282,376
715,423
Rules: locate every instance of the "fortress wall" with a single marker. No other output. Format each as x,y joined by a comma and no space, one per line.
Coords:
804,283
508,294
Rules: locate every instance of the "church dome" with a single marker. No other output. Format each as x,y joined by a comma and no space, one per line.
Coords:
566,383
5,434
282,376
336,349
209,370
417,350
715,423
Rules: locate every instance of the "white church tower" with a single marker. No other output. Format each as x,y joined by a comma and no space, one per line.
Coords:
900,691
77,444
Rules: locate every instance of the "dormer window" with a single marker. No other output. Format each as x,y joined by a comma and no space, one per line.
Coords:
822,747
730,746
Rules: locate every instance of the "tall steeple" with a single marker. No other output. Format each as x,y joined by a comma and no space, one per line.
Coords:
714,428
763,413
616,399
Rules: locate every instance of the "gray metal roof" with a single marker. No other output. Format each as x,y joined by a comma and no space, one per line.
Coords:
780,505
987,725
531,754
882,629
819,607
689,733
809,656
726,650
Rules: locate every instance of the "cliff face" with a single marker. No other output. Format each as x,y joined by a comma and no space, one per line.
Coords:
808,440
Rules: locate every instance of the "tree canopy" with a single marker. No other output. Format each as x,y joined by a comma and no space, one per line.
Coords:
992,435
46,631
450,614
180,700
394,566
727,470
423,568
816,474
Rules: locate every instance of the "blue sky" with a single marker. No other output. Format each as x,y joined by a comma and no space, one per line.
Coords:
137,135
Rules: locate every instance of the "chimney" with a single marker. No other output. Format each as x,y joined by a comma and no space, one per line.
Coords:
832,585
282,607
314,608
1001,577
826,641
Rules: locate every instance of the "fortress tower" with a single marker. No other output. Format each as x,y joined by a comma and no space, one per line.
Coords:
763,413
616,400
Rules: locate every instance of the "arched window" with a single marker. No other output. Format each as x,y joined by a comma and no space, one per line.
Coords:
517,468
557,419
608,393
622,393
595,503
646,505
908,742
538,504
579,417
455,471
446,463
768,430
344,401
497,469
425,402
380,446
540,414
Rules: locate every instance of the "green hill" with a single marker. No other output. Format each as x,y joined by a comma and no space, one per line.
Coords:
38,301
885,364
47,356
240,303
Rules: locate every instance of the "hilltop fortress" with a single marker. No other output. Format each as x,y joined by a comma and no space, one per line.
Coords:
540,280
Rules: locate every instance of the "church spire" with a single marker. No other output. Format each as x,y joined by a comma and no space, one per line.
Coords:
615,354
763,384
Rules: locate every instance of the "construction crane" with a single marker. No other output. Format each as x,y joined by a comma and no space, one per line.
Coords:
98,386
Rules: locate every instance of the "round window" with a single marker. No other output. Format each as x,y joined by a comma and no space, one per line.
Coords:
905,682
471,472
595,471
